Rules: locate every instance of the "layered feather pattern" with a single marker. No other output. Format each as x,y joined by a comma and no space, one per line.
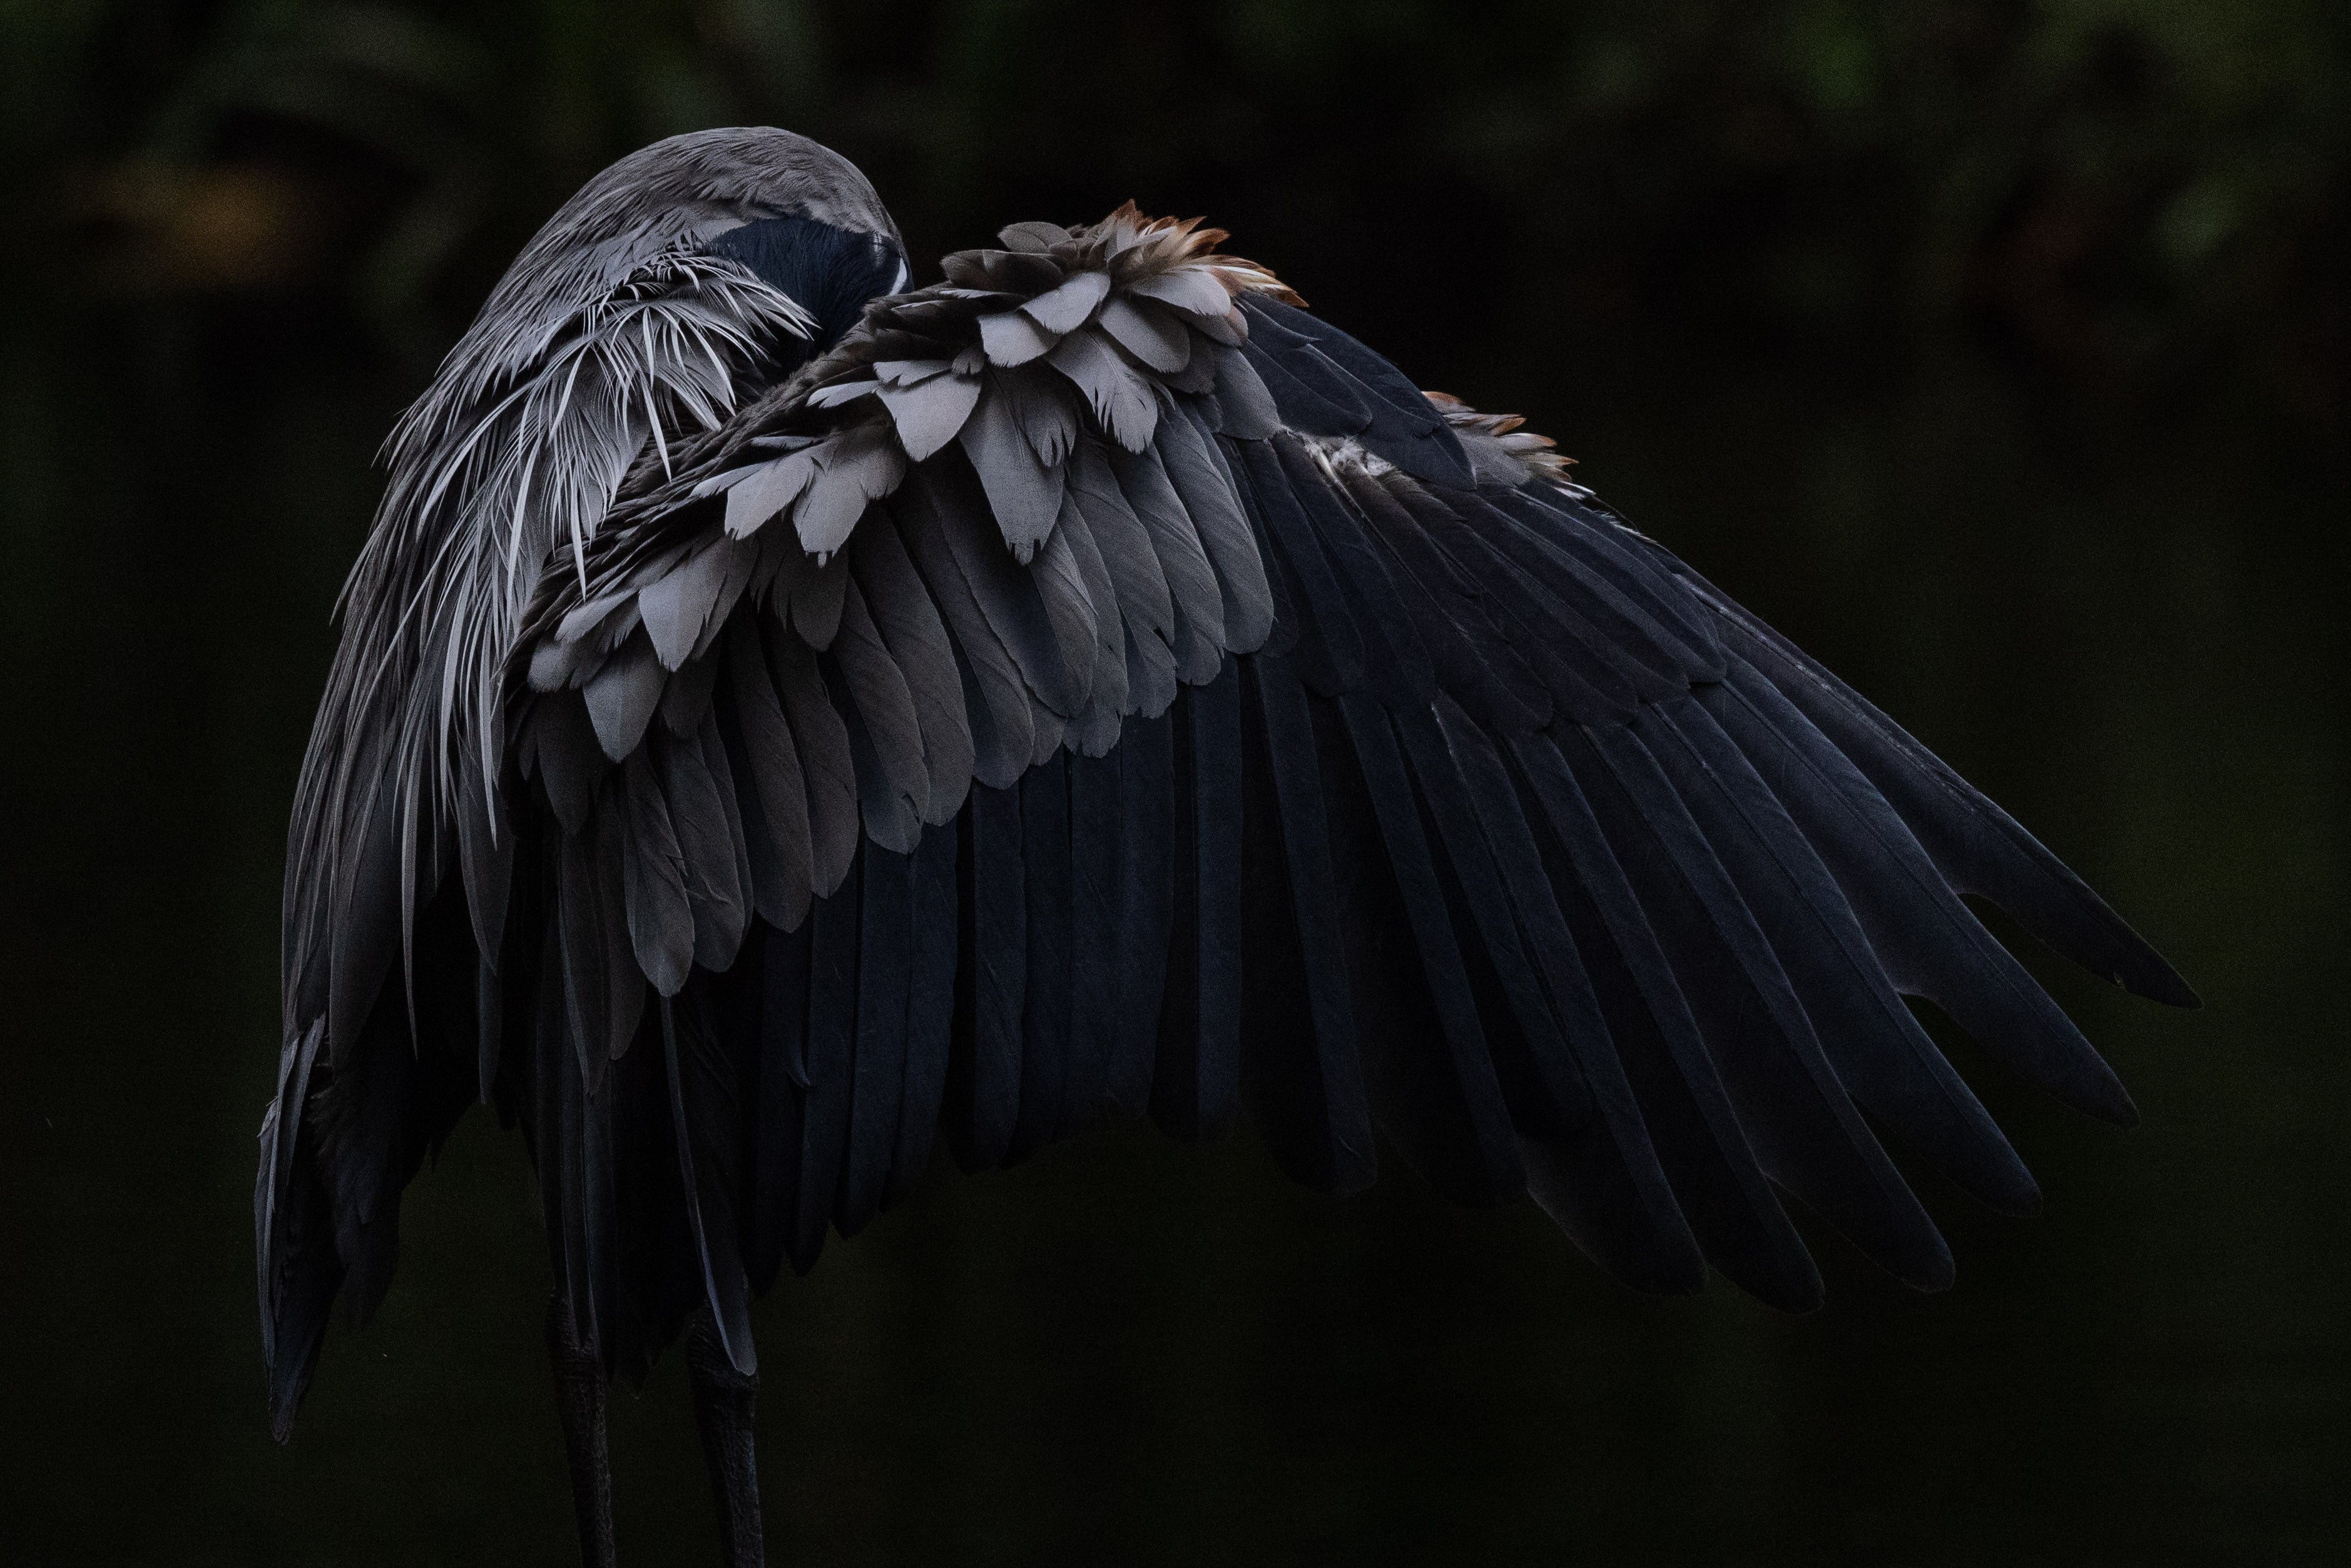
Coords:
1096,686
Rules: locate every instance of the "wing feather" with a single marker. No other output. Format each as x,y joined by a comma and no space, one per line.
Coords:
1095,684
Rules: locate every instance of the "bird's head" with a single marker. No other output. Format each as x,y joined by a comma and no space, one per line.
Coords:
797,214
668,290
672,288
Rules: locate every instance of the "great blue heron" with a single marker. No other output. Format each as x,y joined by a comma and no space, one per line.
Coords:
782,717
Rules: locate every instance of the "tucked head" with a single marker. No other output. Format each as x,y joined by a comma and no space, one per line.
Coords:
798,214
628,319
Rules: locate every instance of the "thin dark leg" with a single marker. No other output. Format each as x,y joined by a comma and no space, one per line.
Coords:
579,1394
725,1406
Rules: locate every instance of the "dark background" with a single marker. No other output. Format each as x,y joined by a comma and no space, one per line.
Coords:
1994,351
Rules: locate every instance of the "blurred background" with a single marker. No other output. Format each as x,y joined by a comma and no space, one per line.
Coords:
1994,350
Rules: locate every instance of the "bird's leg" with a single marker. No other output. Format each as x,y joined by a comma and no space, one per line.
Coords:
726,1403
579,1392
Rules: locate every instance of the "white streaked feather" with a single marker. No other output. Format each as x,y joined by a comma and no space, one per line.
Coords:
523,449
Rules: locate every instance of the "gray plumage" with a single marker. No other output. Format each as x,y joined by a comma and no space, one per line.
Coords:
1191,582
894,786
826,766
782,850
1003,733
1136,578
918,646
782,716
1024,493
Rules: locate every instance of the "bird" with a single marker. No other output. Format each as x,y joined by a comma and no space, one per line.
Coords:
786,719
